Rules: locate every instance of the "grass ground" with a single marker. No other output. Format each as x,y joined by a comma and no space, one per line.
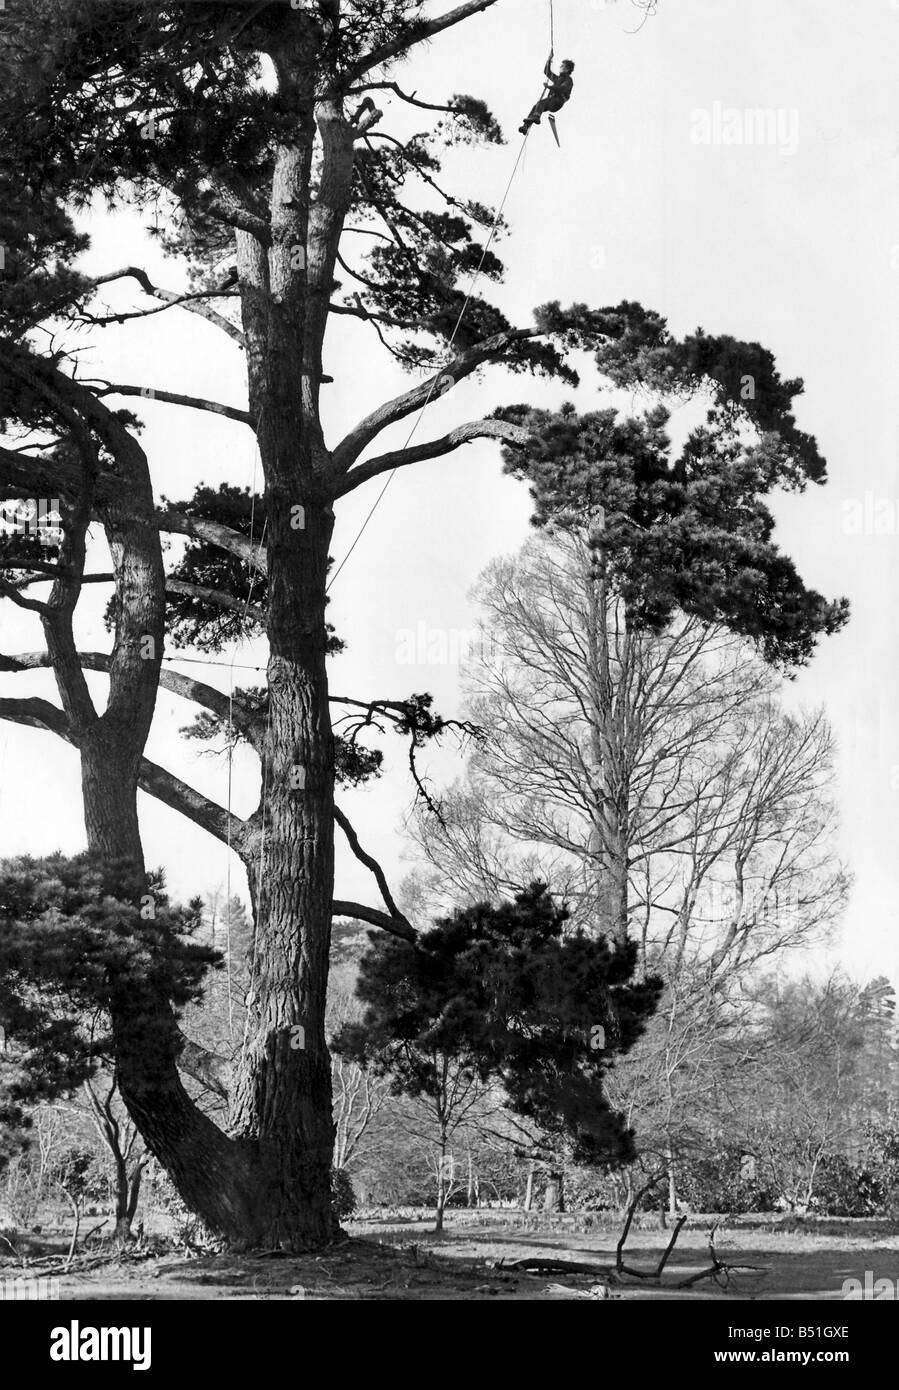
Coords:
405,1260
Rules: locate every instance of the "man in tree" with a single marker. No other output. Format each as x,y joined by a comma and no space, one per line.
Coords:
560,86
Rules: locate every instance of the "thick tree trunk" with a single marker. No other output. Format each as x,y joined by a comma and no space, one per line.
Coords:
282,1098
553,1198
127,1196
610,863
608,835
272,1183
213,1175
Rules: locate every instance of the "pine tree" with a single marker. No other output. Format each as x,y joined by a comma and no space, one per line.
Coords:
75,939
505,994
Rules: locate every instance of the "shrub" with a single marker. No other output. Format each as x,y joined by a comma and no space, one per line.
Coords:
842,1189
882,1158
343,1198
714,1183
80,1171
593,1189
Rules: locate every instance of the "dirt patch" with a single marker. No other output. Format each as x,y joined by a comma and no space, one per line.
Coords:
405,1260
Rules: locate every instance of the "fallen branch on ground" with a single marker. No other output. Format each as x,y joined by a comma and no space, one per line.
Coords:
620,1266
557,1267
719,1270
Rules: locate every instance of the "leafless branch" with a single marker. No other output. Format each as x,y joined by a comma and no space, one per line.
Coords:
436,448
243,417
394,925
348,451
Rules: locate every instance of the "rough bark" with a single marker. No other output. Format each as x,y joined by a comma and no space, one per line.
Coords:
213,1174
282,1095
127,1197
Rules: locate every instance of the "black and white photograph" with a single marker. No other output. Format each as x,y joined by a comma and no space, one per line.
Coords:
449,742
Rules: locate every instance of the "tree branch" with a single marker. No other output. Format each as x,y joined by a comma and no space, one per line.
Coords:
33,605
12,562
217,599
370,863
411,98
56,571
199,528
217,701
230,212
24,475
396,926
155,780
436,448
243,417
407,404
415,34
190,803
190,302
204,1066
37,714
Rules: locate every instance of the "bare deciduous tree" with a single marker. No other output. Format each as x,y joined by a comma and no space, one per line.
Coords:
359,1095
656,783
676,776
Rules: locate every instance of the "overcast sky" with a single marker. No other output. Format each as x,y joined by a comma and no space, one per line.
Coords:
794,243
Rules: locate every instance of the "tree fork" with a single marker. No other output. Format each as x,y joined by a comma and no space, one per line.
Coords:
282,1096
216,1177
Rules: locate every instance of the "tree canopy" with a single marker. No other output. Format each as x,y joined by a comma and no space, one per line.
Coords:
692,533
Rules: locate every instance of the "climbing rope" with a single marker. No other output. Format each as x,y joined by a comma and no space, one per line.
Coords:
255,568
650,8
468,298
439,377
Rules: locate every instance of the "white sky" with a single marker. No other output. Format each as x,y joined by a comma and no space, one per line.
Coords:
798,248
